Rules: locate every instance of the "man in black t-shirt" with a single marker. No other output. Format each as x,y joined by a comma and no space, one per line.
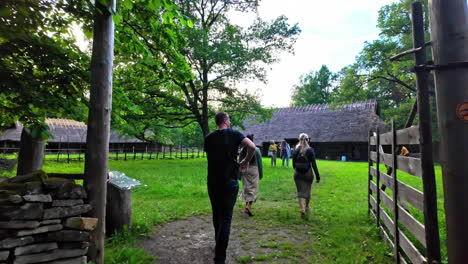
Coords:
221,148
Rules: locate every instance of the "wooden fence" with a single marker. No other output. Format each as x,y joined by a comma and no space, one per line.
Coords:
69,155
381,183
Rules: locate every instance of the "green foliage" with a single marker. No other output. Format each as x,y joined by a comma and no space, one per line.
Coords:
314,88
171,75
42,72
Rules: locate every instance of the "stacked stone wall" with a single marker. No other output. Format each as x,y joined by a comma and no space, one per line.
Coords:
41,221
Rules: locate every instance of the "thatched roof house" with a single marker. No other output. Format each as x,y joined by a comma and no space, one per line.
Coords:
333,132
68,133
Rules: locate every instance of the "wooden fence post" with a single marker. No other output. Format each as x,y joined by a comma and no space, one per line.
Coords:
449,37
58,149
395,194
369,193
427,164
377,146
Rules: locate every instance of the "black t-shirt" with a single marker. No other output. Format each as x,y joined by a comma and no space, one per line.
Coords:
221,147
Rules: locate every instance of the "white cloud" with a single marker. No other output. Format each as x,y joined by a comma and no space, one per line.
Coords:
333,33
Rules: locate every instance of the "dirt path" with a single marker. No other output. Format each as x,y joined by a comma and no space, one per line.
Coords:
252,239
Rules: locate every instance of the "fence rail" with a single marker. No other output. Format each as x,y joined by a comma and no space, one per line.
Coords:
387,210
69,155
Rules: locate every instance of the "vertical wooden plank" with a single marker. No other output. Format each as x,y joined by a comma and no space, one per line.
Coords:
427,164
378,176
395,194
449,36
369,176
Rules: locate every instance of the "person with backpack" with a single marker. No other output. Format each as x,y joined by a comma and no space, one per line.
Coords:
303,159
250,178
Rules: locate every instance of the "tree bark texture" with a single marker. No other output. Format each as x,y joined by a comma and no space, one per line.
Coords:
97,152
449,35
31,153
427,164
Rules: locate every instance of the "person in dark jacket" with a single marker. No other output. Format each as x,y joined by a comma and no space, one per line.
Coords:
303,158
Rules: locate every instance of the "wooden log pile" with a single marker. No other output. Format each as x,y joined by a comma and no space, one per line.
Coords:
41,221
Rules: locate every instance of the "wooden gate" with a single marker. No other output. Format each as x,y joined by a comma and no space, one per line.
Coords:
383,179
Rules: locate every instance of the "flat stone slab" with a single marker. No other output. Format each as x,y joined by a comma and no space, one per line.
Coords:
73,245
28,211
19,224
68,236
35,248
58,203
81,223
42,198
50,222
39,230
11,199
69,191
61,212
52,255
15,242
4,254
79,260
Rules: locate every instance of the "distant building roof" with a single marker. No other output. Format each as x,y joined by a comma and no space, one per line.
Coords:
346,123
64,130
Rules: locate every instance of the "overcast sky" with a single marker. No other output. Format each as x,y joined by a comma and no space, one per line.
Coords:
333,33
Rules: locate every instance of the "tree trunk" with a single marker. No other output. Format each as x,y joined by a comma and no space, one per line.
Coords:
205,127
97,142
449,37
31,153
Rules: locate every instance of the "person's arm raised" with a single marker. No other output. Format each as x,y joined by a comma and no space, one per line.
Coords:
250,146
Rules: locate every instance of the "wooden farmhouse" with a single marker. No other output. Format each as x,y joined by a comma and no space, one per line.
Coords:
69,135
333,131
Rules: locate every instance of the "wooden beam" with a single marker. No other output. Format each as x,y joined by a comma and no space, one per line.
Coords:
407,193
406,136
408,248
413,225
425,131
449,35
407,164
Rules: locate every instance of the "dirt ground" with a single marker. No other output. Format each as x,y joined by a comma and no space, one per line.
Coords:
192,241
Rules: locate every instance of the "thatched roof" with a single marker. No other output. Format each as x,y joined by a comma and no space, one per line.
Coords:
346,123
64,130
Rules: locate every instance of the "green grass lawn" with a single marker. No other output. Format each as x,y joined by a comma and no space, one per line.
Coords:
339,226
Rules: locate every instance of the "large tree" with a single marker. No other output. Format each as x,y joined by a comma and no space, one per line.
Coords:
373,75
194,70
315,87
42,72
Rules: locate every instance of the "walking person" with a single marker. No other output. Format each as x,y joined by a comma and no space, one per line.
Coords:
303,159
221,148
285,153
250,178
272,150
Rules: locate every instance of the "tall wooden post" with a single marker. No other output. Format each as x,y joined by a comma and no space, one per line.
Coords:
449,36
96,161
377,178
427,163
396,241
